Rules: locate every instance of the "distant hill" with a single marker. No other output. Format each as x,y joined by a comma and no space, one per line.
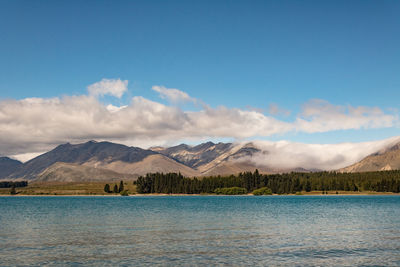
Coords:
387,159
81,153
96,161
71,172
8,166
152,163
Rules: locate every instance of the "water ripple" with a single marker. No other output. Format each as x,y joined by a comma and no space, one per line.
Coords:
200,231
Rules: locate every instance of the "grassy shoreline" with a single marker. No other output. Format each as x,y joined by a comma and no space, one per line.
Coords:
67,188
97,189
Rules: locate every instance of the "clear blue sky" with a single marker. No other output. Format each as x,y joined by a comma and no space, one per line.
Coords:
231,53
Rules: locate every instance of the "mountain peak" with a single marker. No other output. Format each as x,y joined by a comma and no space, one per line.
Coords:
64,145
204,146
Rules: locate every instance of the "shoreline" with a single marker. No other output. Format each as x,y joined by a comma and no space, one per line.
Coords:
165,195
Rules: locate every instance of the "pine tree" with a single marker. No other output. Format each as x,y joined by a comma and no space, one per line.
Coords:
115,189
121,186
308,186
107,188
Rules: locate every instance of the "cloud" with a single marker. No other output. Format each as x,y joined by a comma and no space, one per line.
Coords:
321,116
234,122
285,154
27,156
112,108
38,124
173,95
114,87
32,125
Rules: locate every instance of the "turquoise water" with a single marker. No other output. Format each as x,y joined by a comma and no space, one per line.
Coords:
200,231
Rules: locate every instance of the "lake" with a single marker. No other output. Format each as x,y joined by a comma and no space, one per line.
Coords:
200,231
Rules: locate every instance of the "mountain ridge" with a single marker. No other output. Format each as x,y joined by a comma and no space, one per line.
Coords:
87,159
80,153
102,160
8,166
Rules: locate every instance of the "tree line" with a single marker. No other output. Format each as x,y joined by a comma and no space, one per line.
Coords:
9,184
116,189
285,183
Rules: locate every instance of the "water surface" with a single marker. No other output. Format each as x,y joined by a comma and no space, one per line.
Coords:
200,231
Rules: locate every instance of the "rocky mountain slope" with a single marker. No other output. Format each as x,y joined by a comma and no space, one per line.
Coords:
72,172
384,160
214,159
81,153
196,156
152,163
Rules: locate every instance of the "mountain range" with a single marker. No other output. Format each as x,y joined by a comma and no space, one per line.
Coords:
105,161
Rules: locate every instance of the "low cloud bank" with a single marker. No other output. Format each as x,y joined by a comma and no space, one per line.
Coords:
284,154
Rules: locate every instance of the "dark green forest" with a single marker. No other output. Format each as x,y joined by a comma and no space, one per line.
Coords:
9,184
286,183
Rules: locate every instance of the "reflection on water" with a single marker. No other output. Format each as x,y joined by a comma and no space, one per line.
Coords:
200,230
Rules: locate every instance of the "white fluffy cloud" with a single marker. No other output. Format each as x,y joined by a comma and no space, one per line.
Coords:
173,95
36,124
321,116
236,123
114,87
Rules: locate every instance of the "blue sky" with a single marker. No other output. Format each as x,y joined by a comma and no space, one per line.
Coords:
238,54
